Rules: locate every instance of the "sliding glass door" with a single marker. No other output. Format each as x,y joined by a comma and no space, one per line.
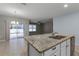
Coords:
16,30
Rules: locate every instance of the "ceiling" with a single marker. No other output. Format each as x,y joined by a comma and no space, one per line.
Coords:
37,11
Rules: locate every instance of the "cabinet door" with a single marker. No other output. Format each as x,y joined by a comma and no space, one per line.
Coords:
63,48
68,47
57,53
50,52
57,50
54,51
54,54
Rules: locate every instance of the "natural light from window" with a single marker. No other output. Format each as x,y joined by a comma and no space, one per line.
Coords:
32,28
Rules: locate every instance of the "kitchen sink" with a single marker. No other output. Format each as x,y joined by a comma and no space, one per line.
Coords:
57,37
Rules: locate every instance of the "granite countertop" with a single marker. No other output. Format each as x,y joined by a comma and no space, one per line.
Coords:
43,42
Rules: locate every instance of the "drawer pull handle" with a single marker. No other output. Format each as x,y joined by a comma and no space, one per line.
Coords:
54,48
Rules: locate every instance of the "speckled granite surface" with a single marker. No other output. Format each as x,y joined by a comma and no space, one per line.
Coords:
43,42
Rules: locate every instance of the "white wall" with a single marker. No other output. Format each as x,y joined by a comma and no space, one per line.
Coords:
4,26
68,24
2,29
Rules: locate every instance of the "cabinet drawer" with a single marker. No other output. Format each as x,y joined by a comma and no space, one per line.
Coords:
52,50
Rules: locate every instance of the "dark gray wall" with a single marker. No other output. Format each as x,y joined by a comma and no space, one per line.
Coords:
46,27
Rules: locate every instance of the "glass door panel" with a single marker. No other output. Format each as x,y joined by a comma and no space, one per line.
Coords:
16,30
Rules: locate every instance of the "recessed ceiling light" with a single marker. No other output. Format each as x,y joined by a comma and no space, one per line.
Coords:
66,5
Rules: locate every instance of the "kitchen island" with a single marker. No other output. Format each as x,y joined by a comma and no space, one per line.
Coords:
46,45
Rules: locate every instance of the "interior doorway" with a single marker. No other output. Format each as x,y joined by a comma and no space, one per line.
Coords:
16,30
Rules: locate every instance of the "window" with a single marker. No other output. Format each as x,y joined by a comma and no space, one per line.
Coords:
32,28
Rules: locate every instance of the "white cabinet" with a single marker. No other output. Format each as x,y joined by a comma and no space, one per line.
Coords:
63,48
57,53
68,48
54,51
